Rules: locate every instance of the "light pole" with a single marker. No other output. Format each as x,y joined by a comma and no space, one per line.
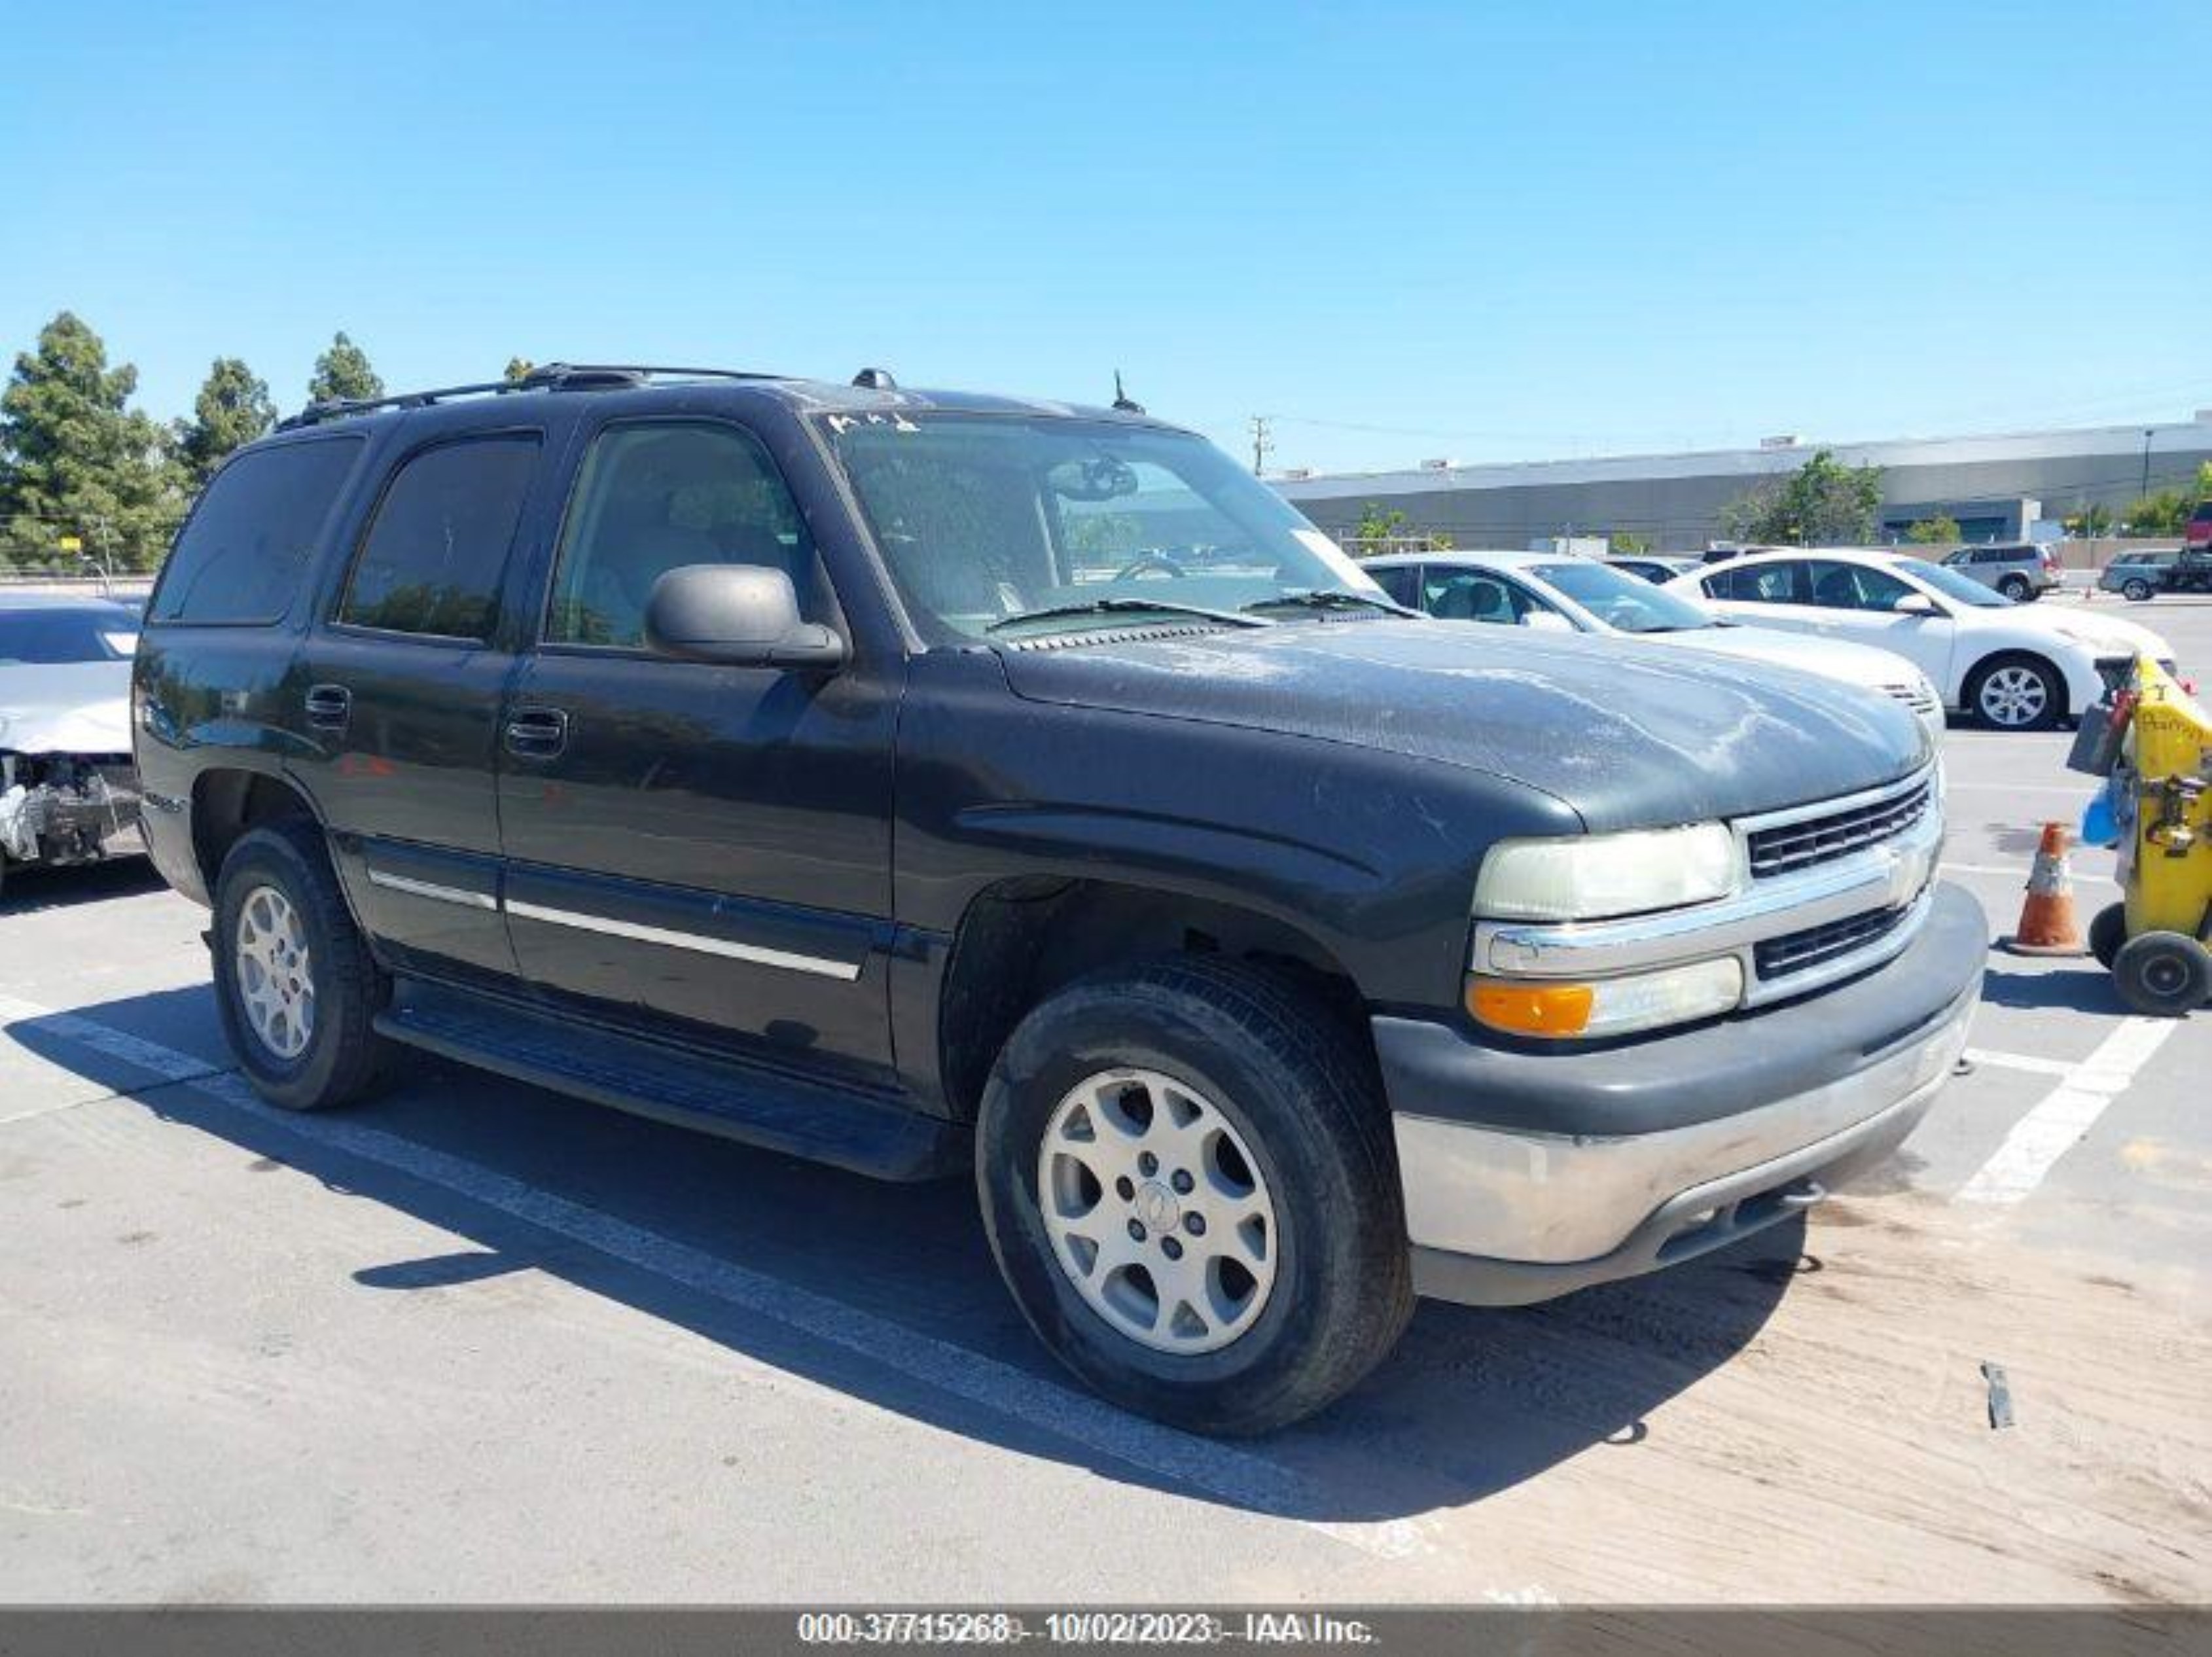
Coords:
2147,430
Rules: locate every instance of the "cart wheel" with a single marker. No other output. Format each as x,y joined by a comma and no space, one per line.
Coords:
2164,975
2107,933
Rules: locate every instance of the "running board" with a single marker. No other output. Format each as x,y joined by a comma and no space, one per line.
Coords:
844,1128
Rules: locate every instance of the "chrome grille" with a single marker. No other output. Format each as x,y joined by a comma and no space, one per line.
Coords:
1786,847
1777,957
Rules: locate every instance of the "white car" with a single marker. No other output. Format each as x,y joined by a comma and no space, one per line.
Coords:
2015,667
1533,589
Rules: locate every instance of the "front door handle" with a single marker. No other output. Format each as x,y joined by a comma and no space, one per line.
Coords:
329,707
536,733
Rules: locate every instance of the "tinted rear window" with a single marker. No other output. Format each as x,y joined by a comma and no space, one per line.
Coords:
242,555
433,556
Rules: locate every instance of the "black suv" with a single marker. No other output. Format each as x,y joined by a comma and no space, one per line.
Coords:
922,782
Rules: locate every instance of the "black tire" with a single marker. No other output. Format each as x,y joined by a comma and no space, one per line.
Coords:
2163,974
2136,590
2015,587
2054,706
2107,933
1288,1076
343,1059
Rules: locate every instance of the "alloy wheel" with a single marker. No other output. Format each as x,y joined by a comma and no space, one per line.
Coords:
273,975
2013,696
1158,1212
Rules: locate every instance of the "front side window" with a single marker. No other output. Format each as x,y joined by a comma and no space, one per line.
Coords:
1856,586
655,496
990,521
1473,595
433,556
242,556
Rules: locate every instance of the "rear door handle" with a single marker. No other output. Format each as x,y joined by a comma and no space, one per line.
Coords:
329,707
536,733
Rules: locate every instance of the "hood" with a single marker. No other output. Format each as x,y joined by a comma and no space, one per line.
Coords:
74,708
1628,735
2107,635
1834,658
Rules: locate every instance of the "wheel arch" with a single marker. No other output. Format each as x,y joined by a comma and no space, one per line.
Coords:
229,801
1020,939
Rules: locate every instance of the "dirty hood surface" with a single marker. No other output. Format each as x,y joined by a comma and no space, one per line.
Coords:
72,708
1628,735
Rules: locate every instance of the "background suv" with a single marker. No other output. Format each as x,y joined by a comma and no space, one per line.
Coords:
2021,570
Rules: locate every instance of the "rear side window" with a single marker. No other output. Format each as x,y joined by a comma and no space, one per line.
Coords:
242,556
1759,584
433,558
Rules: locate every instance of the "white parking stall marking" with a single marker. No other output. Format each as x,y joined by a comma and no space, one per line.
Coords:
2057,1122
2027,1061
1234,1476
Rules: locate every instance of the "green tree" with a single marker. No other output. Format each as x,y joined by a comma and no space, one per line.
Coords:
1822,503
2162,513
1941,531
1379,526
1627,543
518,368
342,375
2090,520
232,409
76,460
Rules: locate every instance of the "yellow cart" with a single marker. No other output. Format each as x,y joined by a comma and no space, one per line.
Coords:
2153,941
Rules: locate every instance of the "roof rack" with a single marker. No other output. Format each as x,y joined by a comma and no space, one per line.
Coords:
552,377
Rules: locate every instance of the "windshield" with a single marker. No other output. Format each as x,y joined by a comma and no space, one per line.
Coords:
49,638
985,518
1627,602
1952,584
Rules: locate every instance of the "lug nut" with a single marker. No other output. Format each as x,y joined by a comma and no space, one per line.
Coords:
1171,1249
1125,1188
1147,1164
1137,1230
1194,1223
1182,1182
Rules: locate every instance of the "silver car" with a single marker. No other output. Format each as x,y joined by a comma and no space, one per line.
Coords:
2021,570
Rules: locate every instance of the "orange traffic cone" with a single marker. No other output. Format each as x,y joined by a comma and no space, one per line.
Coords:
2047,925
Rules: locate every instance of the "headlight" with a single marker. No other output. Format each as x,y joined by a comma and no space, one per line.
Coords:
1606,1006
1592,876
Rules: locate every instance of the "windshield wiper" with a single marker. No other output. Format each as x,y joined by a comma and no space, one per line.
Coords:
1328,598
1123,607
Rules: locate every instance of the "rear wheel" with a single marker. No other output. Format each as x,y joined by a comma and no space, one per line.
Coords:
2163,974
2015,587
2107,933
1188,1178
293,979
2017,693
2136,588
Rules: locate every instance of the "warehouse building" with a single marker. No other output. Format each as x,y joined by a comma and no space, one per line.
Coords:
1997,488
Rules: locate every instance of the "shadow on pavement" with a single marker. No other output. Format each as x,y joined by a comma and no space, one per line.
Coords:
1473,1402
2080,985
31,887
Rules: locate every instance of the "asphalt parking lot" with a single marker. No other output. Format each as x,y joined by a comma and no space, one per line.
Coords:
479,1343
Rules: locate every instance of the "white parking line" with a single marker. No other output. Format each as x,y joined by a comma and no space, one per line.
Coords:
1232,1475
2068,1112
2027,1061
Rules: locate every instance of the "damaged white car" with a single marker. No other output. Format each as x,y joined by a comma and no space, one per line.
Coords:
68,793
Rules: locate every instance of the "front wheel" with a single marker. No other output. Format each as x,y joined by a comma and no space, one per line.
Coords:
2163,974
2017,693
1187,1177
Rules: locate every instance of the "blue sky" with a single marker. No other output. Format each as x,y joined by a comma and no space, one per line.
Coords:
1489,231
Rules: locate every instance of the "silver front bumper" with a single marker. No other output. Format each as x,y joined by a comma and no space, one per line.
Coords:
1514,1216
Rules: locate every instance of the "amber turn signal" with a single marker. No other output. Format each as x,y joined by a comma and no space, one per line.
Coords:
1531,1009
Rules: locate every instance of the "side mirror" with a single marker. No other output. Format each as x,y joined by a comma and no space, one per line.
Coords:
1915,604
1547,621
737,614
